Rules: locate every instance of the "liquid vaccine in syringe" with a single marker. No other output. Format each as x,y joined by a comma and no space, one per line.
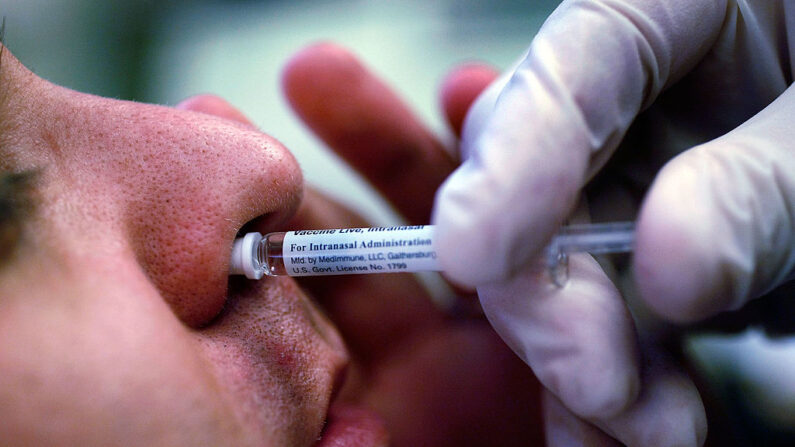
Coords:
396,249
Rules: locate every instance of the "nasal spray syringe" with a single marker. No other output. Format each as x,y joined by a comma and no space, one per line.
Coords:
396,249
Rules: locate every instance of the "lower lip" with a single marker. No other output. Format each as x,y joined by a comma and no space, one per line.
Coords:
352,426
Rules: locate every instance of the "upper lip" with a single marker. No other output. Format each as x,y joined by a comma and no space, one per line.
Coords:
271,330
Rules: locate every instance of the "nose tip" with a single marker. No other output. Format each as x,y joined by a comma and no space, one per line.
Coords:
271,183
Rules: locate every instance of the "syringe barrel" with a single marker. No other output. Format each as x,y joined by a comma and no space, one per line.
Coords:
407,248
598,238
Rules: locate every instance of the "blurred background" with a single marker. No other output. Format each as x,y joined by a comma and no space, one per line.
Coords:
164,51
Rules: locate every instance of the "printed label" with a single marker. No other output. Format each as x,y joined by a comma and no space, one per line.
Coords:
359,250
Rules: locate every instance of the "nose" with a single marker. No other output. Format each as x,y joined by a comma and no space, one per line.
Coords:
200,181
181,184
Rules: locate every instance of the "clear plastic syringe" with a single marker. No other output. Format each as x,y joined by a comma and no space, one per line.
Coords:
397,249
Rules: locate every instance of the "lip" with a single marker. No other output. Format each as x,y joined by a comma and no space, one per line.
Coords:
350,425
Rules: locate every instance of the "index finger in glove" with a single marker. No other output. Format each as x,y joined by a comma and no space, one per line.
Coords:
531,145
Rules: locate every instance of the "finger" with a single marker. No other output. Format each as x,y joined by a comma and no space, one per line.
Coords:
459,90
533,144
718,225
214,105
564,429
364,121
374,313
668,411
464,379
579,340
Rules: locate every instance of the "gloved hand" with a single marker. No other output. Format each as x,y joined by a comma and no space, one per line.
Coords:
609,92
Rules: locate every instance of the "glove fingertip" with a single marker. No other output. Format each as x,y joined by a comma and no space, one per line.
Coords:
674,268
608,397
467,248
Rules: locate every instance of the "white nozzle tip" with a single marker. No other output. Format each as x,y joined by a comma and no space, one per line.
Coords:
243,260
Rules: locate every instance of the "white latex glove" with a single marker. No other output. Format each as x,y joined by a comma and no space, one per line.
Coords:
715,229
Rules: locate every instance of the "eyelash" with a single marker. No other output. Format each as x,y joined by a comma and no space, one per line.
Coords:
16,204
2,40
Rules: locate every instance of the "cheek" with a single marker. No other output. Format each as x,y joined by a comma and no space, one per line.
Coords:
107,363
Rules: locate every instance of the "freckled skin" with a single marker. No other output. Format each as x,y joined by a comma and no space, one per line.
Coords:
118,325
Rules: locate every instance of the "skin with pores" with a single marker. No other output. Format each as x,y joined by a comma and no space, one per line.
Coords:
119,324
120,181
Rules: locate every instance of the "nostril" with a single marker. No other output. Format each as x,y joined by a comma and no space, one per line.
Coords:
276,219
255,225
265,223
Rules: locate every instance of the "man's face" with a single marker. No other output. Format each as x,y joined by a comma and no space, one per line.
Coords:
118,324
